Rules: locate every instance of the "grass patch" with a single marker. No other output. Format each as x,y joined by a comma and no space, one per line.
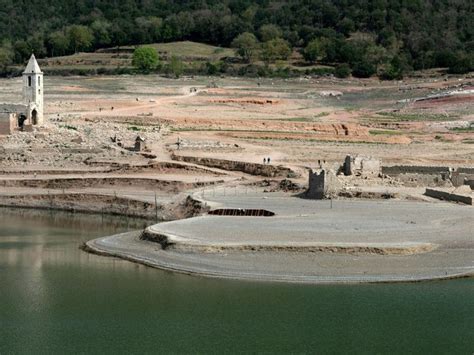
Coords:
72,128
188,49
463,129
410,117
303,119
135,128
293,119
386,132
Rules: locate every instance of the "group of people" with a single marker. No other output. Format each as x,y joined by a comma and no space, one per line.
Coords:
266,160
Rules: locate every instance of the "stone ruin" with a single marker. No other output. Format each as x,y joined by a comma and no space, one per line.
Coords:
363,166
139,144
323,184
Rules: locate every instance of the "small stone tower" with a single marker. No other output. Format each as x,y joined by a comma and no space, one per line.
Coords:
33,91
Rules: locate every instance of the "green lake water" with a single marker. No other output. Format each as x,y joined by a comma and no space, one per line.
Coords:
55,298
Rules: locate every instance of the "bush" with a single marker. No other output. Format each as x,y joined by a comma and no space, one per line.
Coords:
462,64
322,71
246,44
275,49
211,68
145,59
312,51
363,69
342,71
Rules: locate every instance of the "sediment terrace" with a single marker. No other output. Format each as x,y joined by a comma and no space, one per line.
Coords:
308,241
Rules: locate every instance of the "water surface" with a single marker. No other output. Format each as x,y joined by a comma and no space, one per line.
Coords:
55,298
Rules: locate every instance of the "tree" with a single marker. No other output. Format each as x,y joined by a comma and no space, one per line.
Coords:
464,63
145,59
363,69
245,43
80,37
276,49
58,43
395,70
346,26
342,71
22,51
6,56
176,66
313,50
269,32
36,45
101,33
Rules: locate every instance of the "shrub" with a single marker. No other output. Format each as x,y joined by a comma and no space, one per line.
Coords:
363,69
342,71
145,59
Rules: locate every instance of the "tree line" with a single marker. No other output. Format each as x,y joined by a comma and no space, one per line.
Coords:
365,37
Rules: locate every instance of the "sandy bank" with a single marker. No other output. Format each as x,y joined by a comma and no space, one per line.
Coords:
356,241
285,267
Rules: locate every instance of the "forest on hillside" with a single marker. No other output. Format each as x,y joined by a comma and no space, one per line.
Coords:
365,36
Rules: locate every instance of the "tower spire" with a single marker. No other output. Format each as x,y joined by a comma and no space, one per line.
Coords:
32,66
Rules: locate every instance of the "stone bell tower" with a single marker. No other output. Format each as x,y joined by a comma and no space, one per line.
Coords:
33,91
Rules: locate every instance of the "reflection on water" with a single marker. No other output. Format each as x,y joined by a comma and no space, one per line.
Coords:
55,298
37,238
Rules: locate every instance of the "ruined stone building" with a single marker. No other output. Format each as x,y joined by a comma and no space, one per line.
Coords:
15,117
363,166
322,184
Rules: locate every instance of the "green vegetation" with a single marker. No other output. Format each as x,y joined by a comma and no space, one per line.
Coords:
342,71
72,128
313,51
135,129
405,117
304,119
145,59
193,50
463,129
385,132
387,37
246,44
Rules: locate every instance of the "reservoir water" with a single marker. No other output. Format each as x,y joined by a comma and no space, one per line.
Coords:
55,298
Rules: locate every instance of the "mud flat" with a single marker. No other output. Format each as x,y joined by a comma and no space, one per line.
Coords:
309,242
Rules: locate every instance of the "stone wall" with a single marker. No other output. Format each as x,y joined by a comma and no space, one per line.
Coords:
322,184
468,171
362,166
448,196
470,182
7,123
429,175
414,169
245,167
459,179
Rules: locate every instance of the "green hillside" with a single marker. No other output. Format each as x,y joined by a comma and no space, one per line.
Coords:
365,37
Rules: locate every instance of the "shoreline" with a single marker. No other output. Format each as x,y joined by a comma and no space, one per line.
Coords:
166,264
420,248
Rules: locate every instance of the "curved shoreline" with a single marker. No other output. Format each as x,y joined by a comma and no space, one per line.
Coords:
308,242
129,247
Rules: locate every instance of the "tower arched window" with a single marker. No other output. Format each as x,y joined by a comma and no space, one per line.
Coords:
29,81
